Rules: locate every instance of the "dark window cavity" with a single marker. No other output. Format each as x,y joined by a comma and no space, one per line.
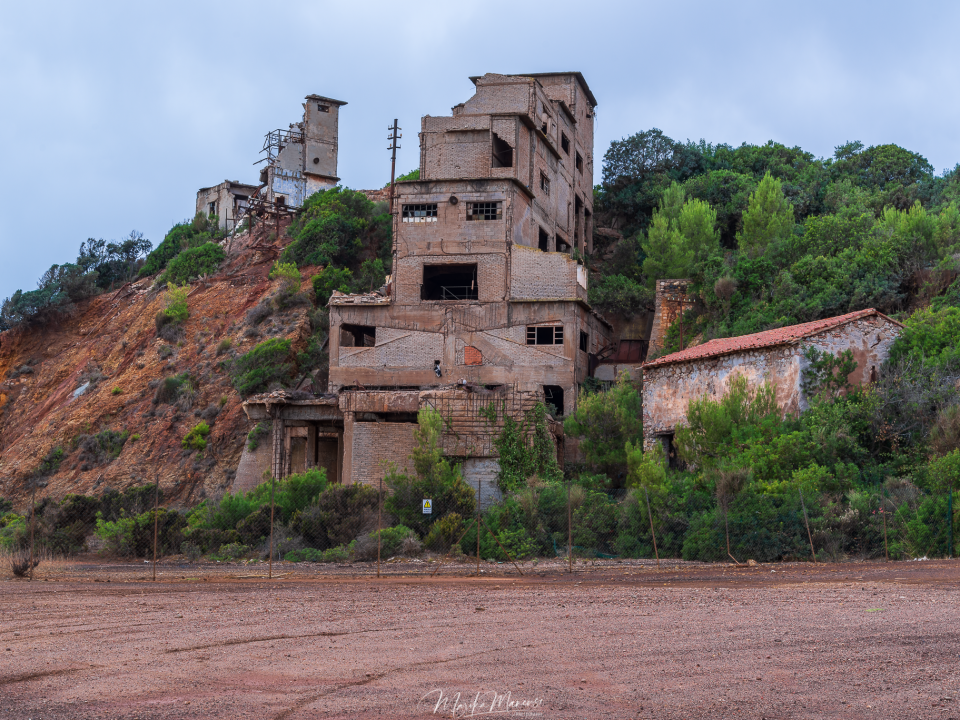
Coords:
553,395
544,240
484,210
564,143
357,336
584,341
502,153
544,183
323,108
450,282
579,162
548,335
425,212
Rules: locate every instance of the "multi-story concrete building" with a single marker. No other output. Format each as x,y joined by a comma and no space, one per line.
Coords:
488,297
227,201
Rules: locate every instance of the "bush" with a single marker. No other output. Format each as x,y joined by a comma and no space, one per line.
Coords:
224,345
209,540
330,555
286,271
117,391
196,439
266,364
257,434
328,280
391,542
102,448
20,563
51,462
233,551
193,263
434,478
337,517
170,388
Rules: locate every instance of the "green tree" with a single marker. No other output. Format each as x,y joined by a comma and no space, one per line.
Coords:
605,422
768,219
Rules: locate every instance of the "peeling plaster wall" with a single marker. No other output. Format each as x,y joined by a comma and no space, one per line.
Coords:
668,389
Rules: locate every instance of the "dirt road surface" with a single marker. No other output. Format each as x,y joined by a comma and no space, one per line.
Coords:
626,640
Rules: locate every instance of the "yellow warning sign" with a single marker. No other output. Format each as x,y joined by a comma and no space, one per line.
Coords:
427,507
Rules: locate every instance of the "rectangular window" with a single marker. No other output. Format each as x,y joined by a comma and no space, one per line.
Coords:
544,240
553,398
211,208
502,153
579,162
549,335
323,108
483,210
584,341
450,282
357,335
545,183
564,143
426,212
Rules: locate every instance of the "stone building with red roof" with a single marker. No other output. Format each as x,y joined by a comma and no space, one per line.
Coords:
774,356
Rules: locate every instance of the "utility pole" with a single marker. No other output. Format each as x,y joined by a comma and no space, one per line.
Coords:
393,137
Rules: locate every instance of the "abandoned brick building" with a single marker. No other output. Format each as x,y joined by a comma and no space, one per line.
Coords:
487,304
774,356
300,161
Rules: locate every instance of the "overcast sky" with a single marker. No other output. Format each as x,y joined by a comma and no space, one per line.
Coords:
114,114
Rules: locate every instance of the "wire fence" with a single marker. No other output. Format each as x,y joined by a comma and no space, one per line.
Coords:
288,526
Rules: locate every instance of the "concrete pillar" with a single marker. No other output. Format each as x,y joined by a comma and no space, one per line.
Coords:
311,446
346,475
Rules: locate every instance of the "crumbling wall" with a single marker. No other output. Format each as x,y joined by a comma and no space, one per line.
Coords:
376,441
537,275
672,295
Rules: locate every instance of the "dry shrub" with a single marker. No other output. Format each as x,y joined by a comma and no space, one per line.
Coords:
945,433
20,562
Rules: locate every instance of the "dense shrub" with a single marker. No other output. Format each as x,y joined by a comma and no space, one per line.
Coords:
188,234
193,263
266,364
338,516
102,448
196,438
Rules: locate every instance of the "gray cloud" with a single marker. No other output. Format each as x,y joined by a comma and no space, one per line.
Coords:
116,113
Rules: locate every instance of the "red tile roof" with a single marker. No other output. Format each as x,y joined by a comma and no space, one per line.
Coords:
768,338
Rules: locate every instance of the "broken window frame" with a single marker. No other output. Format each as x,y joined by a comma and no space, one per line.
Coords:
485,210
584,342
565,143
543,239
544,334
419,212
551,395
323,108
578,161
501,154
433,289
544,182
363,335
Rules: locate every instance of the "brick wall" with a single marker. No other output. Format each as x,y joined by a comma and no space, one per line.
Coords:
671,295
536,275
375,441
396,348
491,273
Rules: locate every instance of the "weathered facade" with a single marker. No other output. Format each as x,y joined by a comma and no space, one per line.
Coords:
300,161
488,299
228,201
775,356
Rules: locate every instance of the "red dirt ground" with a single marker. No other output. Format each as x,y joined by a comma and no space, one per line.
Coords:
623,640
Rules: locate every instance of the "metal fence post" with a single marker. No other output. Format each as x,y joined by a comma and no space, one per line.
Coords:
273,483
569,530
478,526
156,513
652,533
806,521
33,524
379,520
883,513
950,523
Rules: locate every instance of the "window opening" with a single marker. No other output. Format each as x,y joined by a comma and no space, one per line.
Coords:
484,210
323,108
281,200
502,153
584,341
450,282
553,395
212,208
544,183
564,143
577,210
579,162
424,212
357,335
562,245
544,240
545,335
629,351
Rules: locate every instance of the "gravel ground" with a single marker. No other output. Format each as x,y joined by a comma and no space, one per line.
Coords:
623,640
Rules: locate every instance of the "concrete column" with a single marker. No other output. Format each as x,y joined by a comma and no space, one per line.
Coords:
311,446
346,474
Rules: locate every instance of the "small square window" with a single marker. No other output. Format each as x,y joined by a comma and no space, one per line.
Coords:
584,341
565,143
323,108
484,211
545,335
545,183
579,162
425,212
